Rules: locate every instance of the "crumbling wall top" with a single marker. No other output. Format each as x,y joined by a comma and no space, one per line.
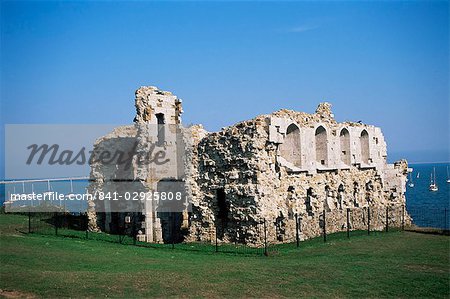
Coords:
146,90
323,114
149,101
324,111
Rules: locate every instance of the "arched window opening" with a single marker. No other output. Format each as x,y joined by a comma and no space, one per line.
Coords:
364,140
321,146
290,148
344,138
161,129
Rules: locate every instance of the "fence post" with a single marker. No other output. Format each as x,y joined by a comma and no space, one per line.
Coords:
236,234
86,223
348,223
368,220
299,228
172,229
265,238
324,226
134,228
56,223
29,222
217,232
296,230
403,217
387,218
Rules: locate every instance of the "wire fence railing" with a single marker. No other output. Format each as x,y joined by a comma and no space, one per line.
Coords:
329,225
426,217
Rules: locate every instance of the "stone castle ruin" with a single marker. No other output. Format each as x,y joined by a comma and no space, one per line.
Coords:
281,168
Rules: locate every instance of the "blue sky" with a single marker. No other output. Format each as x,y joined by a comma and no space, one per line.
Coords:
385,63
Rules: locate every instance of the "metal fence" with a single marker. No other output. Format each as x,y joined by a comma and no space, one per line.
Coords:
329,226
426,217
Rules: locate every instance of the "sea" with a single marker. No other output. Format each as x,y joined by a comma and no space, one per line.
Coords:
427,208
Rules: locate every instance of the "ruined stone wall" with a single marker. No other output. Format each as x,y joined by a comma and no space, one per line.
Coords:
264,179
346,134
226,162
274,168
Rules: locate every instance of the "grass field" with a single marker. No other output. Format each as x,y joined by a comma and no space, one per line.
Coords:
397,264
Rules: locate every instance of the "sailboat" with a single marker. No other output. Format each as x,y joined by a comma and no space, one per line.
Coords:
411,183
433,186
448,176
418,175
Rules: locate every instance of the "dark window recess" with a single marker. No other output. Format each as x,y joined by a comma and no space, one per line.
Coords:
161,129
222,205
308,201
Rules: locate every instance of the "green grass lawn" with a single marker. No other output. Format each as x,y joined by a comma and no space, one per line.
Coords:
400,264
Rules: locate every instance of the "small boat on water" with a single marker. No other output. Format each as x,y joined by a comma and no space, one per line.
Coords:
433,186
411,183
418,175
448,176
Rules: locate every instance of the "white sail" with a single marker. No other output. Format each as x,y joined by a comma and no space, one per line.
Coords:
411,183
433,185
